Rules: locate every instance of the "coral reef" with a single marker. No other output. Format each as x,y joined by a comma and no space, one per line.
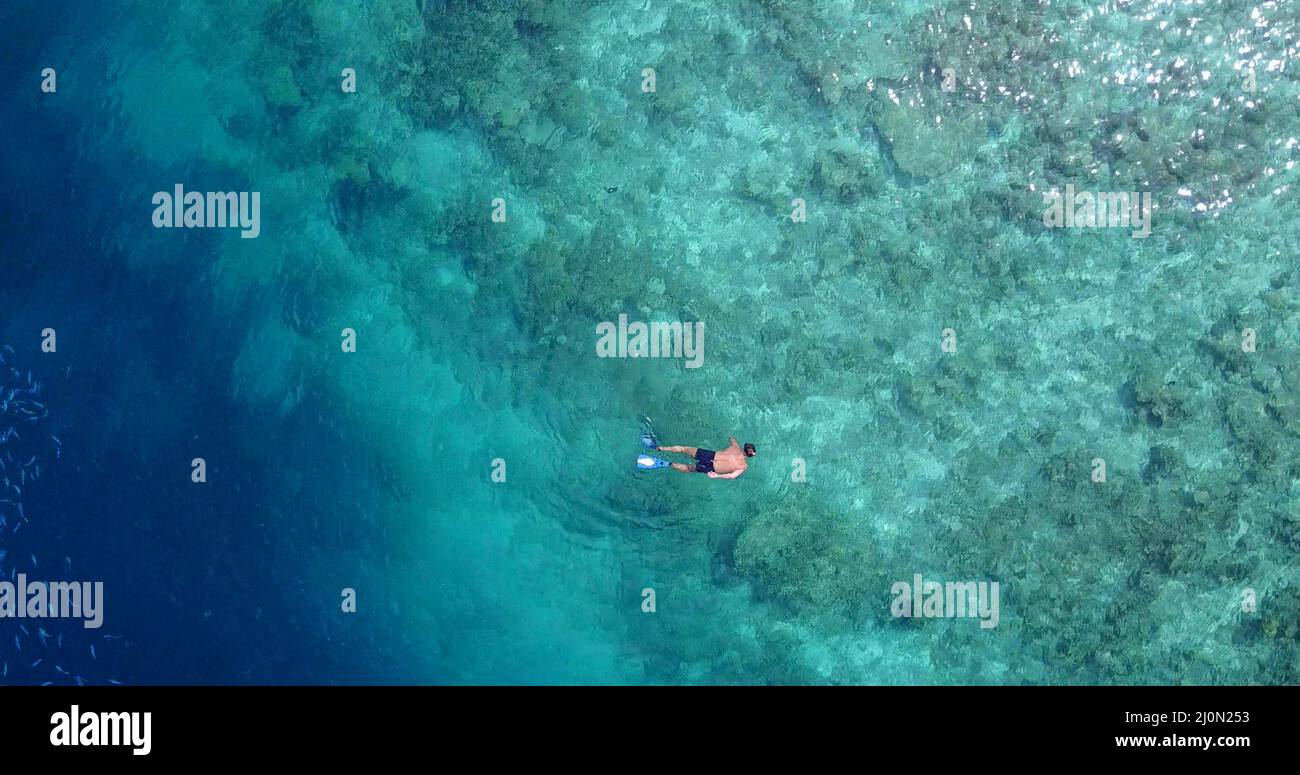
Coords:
924,212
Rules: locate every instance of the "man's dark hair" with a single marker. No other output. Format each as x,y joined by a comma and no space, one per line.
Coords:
749,450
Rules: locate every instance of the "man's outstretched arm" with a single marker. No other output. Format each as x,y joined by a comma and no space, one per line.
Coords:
732,475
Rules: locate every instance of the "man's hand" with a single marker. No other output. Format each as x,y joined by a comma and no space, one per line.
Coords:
732,475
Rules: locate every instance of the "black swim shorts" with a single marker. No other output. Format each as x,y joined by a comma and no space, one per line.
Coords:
704,460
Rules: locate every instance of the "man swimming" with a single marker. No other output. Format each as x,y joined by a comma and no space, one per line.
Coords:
727,464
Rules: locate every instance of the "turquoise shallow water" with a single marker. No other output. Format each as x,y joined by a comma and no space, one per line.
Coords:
824,343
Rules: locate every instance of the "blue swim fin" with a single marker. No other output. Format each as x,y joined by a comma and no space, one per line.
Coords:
648,439
650,462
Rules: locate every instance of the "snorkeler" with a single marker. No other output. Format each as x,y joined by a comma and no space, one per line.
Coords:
725,464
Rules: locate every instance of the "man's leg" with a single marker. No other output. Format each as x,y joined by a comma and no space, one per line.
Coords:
681,450
683,468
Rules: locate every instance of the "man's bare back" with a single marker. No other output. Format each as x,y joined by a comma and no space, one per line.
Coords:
724,464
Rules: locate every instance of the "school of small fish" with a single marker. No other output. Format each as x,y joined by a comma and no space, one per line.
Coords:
39,655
